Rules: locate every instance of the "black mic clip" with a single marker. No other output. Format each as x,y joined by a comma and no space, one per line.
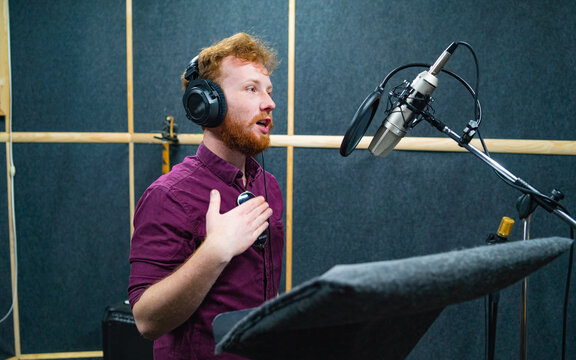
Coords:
557,195
527,203
469,132
420,105
400,93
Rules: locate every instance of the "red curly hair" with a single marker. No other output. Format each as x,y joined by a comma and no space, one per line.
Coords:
242,46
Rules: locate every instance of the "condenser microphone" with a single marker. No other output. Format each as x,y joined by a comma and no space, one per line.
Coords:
412,100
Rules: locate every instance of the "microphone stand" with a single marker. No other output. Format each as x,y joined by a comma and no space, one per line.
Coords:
524,297
526,204
527,188
493,299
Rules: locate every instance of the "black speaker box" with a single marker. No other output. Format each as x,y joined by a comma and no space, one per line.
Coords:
120,337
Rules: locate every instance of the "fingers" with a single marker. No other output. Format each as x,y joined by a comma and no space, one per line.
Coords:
252,209
264,212
214,205
261,229
235,230
257,210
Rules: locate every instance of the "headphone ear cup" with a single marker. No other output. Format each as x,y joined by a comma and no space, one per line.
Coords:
204,103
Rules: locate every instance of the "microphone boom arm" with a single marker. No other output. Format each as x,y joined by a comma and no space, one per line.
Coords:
521,185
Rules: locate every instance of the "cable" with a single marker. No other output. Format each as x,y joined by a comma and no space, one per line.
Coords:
264,173
12,170
477,83
478,107
268,229
543,199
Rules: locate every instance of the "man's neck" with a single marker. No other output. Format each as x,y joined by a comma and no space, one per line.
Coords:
213,142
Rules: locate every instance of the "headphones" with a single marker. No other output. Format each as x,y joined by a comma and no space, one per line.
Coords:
203,99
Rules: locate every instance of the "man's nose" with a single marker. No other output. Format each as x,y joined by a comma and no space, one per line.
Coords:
267,103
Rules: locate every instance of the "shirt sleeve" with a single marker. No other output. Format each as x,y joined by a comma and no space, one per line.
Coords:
162,240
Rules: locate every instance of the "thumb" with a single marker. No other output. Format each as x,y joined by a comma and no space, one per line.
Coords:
214,205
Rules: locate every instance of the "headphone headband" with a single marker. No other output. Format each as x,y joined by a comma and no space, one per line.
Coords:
192,70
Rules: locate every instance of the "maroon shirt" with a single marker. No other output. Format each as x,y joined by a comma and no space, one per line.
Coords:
170,224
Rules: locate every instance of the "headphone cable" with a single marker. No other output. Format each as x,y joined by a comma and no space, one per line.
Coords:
268,229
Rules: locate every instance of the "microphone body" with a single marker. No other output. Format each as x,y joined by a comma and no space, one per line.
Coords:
396,124
412,101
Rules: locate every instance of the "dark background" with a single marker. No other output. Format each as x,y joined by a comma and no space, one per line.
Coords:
72,200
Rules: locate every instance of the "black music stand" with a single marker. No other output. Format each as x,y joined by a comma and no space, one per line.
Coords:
377,310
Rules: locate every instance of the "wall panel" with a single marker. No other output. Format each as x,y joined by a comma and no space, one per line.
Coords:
362,209
68,66
345,49
73,241
411,203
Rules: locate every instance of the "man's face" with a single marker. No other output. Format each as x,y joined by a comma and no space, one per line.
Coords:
248,122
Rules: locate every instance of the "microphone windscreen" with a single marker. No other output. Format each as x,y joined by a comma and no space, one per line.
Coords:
360,122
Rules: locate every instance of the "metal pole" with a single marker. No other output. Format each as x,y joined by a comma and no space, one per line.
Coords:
523,310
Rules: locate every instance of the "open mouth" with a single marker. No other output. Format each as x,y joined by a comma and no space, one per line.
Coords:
264,124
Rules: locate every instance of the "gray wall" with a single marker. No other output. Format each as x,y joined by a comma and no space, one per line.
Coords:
72,201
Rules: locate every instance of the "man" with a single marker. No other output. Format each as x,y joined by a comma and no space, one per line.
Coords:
192,254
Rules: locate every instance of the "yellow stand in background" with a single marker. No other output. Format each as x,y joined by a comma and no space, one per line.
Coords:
168,137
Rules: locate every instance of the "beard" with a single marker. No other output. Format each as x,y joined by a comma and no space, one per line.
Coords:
238,137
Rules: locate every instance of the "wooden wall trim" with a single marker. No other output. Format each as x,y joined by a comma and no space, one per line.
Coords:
130,112
290,148
60,355
514,146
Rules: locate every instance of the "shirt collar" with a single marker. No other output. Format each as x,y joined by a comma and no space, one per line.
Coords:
223,169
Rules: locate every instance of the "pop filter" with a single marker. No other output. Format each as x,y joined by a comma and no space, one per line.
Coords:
360,122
